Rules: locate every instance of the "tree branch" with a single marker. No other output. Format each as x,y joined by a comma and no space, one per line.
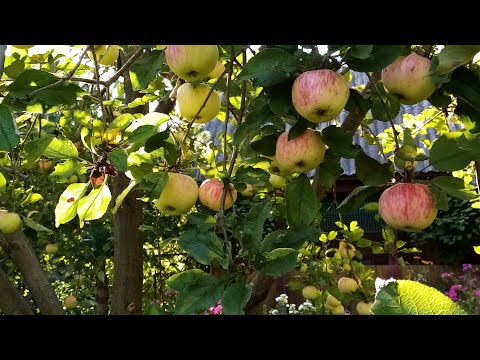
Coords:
3,49
124,68
11,302
18,247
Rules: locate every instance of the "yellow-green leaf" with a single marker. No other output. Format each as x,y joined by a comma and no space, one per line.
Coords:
94,205
60,149
66,208
3,183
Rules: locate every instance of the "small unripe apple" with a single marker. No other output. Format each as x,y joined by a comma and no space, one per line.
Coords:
70,302
51,249
364,308
347,285
346,250
277,182
72,179
249,191
310,292
9,222
333,301
338,310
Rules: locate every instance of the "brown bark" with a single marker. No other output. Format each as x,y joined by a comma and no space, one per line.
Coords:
101,292
128,240
11,302
18,247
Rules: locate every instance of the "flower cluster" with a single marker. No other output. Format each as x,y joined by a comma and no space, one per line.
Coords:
214,310
464,288
284,308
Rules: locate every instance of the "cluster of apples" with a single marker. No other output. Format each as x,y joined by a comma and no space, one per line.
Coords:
194,63
181,192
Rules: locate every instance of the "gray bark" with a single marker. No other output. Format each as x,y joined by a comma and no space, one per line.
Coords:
11,302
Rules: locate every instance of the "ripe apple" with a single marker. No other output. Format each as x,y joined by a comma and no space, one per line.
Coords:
210,194
320,95
249,191
51,249
333,301
408,79
277,182
190,98
310,292
9,222
346,250
70,302
347,285
191,62
217,71
179,195
302,154
45,164
72,179
408,207
106,54
338,310
364,308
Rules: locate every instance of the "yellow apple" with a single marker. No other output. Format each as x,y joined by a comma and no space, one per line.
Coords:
347,285
51,249
364,308
338,310
302,154
106,54
277,182
178,196
9,222
70,302
190,99
191,62
333,301
217,71
346,250
210,194
310,292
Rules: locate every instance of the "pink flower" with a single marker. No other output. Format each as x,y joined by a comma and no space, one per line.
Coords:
477,293
452,293
466,267
446,275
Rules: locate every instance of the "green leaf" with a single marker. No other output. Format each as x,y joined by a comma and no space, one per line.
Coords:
370,172
142,134
399,244
118,158
203,247
356,198
145,70
235,298
171,153
200,295
361,51
201,222
62,94
280,98
380,57
254,121
453,56
447,154
385,107
278,261
156,141
454,187
358,100
477,249
272,241
406,297
266,146
66,208
181,281
465,85
123,195
296,236
441,198
154,309
3,183
153,184
340,142
301,201
28,81
94,205
122,121
250,175
269,67
251,227
64,170
61,149
298,128
9,135
329,170
35,148
36,226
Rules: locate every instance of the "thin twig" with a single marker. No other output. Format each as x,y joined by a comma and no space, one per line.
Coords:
395,135
99,89
380,147
227,108
125,67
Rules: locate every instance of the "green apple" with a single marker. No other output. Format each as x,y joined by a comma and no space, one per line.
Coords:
333,301
277,182
191,62
217,71
302,154
210,194
9,222
190,99
347,285
310,292
70,302
320,95
178,196
346,250
72,179
249,191
364,308
408,78
51,249
338,310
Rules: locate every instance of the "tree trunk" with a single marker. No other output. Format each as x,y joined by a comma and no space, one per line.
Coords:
18,247
128,240
101,292
11,302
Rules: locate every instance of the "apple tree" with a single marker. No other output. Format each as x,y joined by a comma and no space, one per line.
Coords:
122,134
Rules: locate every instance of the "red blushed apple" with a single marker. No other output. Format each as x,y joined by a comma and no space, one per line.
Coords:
407,206
210,194
408,79
320,95
301,154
